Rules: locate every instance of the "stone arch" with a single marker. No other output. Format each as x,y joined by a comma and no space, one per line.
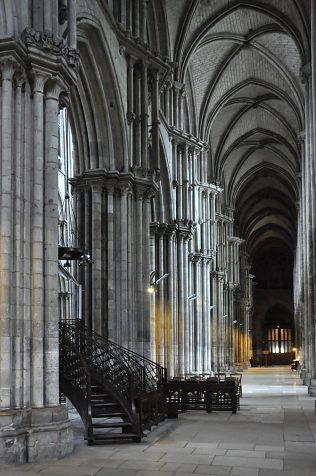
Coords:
97,113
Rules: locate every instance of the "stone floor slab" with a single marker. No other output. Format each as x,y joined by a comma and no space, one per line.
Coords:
249,462
244,472
214,470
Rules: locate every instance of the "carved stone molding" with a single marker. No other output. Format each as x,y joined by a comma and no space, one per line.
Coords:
52,45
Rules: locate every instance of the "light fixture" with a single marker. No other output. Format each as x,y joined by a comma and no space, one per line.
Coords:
223,317
193,297
154,283
162,278
212,306
235,321
85,259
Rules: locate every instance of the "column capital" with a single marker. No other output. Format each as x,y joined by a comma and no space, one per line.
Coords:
8,67
39,79
54,86
19,78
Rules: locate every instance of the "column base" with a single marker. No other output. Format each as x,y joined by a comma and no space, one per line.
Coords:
306,378
34,435
312,388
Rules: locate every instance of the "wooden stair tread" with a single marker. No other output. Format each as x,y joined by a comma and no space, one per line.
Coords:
114,424
112,436
105,415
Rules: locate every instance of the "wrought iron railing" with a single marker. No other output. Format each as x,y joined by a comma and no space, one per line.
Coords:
150,375
126,370
102,364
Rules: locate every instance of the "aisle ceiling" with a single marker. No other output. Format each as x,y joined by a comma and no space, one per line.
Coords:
242,64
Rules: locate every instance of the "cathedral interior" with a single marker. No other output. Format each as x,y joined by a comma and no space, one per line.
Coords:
158,188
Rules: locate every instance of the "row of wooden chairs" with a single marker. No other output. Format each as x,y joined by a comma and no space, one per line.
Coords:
217,377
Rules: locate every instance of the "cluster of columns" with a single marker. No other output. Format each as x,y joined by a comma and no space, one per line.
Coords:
30,93
53,16
28,265
196,321
132,16
304,275
114,218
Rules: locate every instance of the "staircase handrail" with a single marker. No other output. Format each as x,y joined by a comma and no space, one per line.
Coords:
154,375
148,375
104,366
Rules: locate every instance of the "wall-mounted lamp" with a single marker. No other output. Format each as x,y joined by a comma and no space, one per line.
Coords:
223,317
153,283
162,278
235,321
193,297
212,306
85,259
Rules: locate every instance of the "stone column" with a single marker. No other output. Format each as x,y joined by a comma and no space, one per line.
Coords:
167,103
111,264
153,305
72,24
206,330
54,16
87,269
171,347
37,254
186,323
17,258
131,325
143,20
181,298
130,106
160,308
180,183
198,316
214,327
7,70
137,122
146,273
176,107
47,16
38,16
144,116
185,181
155,119
124,264
136,19
51,359
139,271
180,109
97,244
26,247
171,106
129,15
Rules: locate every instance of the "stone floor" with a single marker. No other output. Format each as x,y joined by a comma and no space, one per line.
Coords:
274,433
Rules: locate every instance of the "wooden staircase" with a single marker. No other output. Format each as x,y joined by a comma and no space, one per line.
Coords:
117,392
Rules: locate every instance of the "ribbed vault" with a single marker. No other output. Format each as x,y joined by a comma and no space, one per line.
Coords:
244,60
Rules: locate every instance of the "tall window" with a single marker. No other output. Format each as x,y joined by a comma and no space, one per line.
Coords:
280,340
69,288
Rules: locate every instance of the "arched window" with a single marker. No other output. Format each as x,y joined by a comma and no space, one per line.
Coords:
69,287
